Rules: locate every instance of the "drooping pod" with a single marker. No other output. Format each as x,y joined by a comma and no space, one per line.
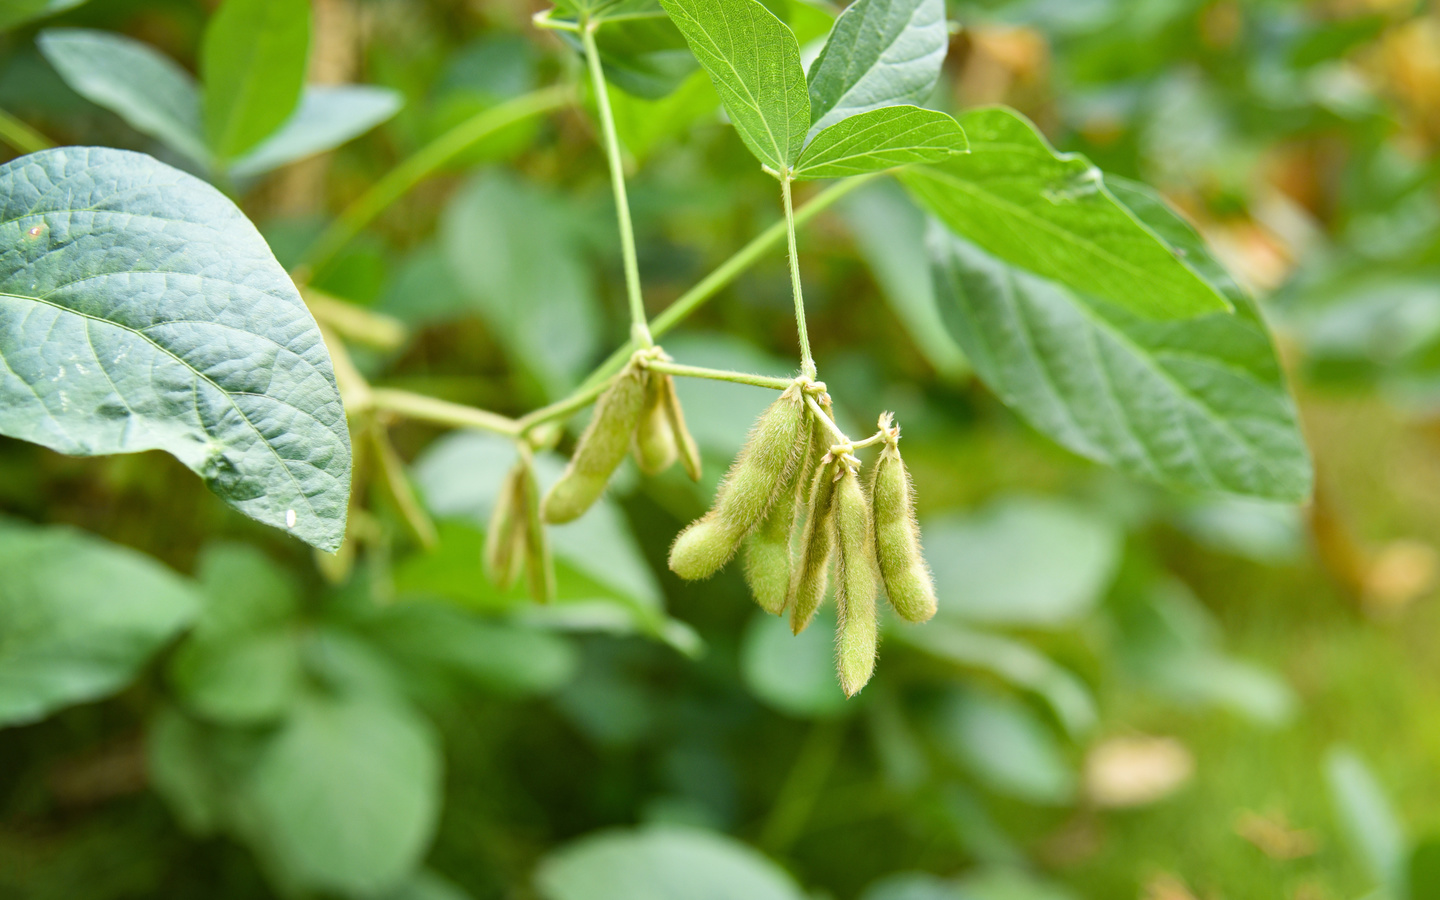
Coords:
600,449
539,565
684,442
747,492
767,554
907,578
811,577
505,538
655,446
857,583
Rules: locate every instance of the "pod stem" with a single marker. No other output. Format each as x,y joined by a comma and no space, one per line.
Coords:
807,363
639,325
764,381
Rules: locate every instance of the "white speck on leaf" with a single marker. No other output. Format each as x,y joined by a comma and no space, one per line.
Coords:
289,518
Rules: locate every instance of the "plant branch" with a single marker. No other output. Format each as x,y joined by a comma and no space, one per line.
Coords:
639,326
21,136
727,272
807,363
356,323
401,179
441,412
764,381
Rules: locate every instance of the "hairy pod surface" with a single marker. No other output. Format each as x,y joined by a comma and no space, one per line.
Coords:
857,582
771,451
684,443
767,558
811,577
702,549
505,538
655,448
539,565
907,578
602,446
746,493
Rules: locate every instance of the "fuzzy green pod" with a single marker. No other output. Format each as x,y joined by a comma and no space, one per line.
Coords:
857,582
684,443
505,539
907,578
767,555
655,448
702,548
601,448
539,566
811,577
747,492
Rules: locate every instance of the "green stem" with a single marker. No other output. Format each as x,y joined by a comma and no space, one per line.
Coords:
807,363
562,408
639,327
820,414
401,179
21,136
727,272
441,412
764,381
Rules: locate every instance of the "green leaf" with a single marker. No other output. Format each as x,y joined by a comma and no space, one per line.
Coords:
1021,561
252,60
326,118
1004,745
505,239
18,12
134,81
345,797
880,53
239,678
1013,661
196,768
1053,215
794,673
1422,870
78,618
881,139
641,50
1366,819
754,62
662,863
140,310
1195,405
890,234
504,658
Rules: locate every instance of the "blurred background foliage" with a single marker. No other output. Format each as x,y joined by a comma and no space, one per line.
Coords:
1127,692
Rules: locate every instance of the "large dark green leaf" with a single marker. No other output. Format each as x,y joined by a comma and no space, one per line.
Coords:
880,53
1197,405
1052,214
754,61
134,81
140,310
662,864
345,797
252,61
78,618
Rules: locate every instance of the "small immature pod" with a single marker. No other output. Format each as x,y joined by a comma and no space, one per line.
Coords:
767,549
908,582
857,581
811,577
601,448
684,442
746,494
505,539
539,566
655,448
